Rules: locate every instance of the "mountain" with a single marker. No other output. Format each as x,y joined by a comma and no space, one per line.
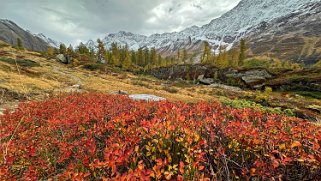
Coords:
284,29
49,41
9,32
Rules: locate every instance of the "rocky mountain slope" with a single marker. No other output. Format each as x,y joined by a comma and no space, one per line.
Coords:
9,32
48,40
259,21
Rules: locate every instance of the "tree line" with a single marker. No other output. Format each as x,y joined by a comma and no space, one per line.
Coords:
148,58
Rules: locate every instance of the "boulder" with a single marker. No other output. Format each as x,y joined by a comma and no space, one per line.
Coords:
64,59
121,92
146,97
61,58
222,86
252,78
206,81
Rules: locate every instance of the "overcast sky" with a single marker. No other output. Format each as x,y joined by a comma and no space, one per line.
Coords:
72,21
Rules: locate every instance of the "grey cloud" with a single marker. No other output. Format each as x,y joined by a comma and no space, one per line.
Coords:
72,21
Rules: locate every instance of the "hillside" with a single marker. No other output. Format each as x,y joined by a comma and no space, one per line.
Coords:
37,77
10,32
286,30
69,122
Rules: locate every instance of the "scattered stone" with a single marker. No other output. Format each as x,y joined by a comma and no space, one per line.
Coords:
222,86
146,97
64,59
121,92
76,86
206,81
61,58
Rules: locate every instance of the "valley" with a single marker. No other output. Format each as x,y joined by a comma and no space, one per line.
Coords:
237,98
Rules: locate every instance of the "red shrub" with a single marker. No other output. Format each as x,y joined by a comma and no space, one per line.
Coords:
96,136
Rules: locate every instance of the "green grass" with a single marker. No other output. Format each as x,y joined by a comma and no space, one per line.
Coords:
316,95
170,89
140,83
20,62
256,63
92,67
240,104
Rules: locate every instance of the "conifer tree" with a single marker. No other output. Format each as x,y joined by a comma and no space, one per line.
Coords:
179,60
159,61
133,57
101,50
206,54
82,49
115,54
146,59
50,51
114,60
242,55
225,62
70,50
62,49
184,56
234,61
153,56
127,59
19,44
140,57
219,61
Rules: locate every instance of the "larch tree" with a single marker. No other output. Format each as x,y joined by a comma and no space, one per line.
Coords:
206,53
140,57
115,54
184,56
153,56
19,44
50,51
242,55
127,63
101,50
62,48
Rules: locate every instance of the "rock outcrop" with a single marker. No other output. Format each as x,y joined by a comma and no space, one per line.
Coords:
306,79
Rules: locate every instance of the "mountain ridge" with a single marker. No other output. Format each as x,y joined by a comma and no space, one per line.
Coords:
243,21
10,32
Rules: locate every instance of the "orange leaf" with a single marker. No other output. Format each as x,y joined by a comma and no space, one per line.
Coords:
296,144
275,164
252,171
181,167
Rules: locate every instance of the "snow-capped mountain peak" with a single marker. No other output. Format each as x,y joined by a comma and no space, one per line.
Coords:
50,41
242,21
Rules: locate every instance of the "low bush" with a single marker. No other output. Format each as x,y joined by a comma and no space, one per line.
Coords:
103,137
20,62
170,89
140,83
92,67
241,104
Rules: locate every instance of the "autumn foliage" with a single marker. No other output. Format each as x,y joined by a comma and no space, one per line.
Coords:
105,137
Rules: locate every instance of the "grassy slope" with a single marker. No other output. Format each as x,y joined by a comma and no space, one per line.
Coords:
50,78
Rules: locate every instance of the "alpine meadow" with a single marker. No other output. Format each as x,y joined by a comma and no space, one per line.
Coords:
160,90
